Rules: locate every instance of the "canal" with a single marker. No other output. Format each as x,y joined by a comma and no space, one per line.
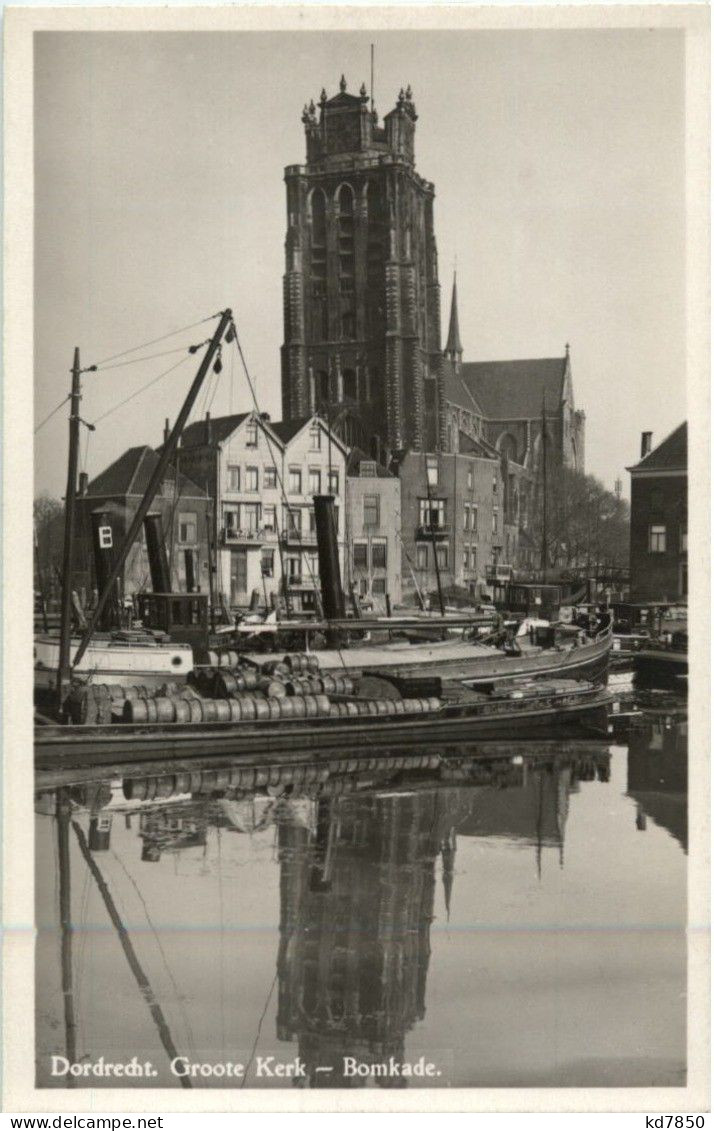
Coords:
499,915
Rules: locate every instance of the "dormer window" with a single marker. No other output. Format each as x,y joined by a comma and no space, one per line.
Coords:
251,438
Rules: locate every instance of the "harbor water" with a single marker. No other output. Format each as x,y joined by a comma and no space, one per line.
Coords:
500,915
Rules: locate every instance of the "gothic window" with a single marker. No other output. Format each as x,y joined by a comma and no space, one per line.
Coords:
349,378
323,387
318,265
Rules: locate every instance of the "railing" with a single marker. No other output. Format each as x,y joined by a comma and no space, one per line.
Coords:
436,530
236,536
298,537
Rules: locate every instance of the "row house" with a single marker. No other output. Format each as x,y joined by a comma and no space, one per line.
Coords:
453,518
658,520
262,477
373,563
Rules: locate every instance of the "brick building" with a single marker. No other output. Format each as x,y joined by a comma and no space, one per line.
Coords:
658,520
115,494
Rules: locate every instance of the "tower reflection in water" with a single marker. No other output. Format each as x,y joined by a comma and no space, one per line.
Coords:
357,903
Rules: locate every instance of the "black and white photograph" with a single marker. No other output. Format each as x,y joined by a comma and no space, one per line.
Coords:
362,390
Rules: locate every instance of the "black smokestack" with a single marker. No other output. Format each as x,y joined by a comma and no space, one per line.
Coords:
646,444
156,549
333,599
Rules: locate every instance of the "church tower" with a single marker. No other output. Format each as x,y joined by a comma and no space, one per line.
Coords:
362,342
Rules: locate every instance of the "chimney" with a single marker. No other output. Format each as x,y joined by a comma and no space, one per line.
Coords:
83,483
646,444
208,427
265,416
167,430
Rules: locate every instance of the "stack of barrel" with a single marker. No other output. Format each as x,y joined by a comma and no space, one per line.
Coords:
230,689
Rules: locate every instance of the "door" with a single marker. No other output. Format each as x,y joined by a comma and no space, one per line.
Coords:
239,576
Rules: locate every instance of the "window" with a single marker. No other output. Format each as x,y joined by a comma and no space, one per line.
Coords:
269,518
230,518
313,567
432,512
270,477
467,516
470,478
442,556
316,437
422,558
379,586
314,480
657,540
187,528
293,520
495,485
683,539
359,555
267,563
474,518
467,557
295,481
334,482
233,478
371,510
494,521
292,568
251,434
379,555
250,514
311,522
432,471
474,559
251,478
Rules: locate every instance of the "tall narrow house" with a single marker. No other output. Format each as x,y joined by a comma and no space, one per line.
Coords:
361,290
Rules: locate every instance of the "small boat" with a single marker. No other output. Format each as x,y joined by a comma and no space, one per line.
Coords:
313,721
124,658
663,663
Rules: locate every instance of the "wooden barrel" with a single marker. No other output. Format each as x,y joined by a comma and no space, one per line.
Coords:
261,777
299,707
434,703
223,711
262,710
165,786
183,783
275,706
182,711
209,710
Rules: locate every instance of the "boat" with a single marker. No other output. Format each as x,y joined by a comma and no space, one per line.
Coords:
117,658
378,715
663,664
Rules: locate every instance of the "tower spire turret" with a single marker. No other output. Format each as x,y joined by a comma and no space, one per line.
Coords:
454,350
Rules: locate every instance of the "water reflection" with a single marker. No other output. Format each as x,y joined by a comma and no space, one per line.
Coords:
382,888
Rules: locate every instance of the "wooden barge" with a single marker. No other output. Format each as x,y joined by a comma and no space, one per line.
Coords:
562,707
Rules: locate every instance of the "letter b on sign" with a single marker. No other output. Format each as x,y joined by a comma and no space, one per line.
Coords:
105,537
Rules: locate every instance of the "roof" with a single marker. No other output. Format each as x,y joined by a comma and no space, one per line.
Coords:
356,457
130,475
469,445
513,390
456,391
221,428
286,429
453,341
670,455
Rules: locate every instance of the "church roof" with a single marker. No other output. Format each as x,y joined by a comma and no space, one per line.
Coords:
456,391
469,445
130,475
670,455
513,390
453,341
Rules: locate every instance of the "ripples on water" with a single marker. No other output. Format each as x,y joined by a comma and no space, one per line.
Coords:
515,913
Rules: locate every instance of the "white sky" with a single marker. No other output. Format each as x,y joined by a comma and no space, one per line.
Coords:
558,160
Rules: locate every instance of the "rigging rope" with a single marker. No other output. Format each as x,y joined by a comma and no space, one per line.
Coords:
154,341
143,389
137,360
54,410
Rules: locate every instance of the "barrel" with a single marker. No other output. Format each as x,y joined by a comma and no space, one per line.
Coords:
183,783
275,706
262,710
182,711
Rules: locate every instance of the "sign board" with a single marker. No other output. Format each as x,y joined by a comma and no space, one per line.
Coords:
105,538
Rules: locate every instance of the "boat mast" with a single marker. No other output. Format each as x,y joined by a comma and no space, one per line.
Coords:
156,479
433,537
544,544
64,673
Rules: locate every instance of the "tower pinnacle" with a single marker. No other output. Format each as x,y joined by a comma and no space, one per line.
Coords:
454,350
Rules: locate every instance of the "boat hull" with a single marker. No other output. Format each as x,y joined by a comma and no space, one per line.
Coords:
667,671
123,663
77,744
